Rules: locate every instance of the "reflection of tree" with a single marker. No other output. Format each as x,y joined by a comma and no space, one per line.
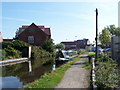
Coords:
36,73
21,70
15,70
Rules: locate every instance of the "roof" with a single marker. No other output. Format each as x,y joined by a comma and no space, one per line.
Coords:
7,40
24,26
69,42
41,27
45,30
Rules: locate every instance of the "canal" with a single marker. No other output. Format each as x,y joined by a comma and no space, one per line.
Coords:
20,74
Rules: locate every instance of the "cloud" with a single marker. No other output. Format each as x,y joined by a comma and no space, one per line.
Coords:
15,19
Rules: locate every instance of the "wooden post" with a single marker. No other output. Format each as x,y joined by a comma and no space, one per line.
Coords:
29,56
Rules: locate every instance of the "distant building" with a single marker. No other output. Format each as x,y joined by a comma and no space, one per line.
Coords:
79,44
4,40
69,45
89,47
1,40
33,34
7,40
116,48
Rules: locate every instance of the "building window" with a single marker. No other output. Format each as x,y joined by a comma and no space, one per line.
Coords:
30,39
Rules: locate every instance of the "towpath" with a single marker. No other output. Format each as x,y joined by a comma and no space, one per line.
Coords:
76,76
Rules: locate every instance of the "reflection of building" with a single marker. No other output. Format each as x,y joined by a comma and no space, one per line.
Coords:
79,44
116,48
33,34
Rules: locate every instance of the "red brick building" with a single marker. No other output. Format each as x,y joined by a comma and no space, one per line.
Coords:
1,40
33,34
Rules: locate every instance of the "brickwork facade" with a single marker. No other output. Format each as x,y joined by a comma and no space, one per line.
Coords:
33,34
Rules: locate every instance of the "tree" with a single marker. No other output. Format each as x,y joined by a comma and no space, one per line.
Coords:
60,46
48,45
16,35
105,37
115,31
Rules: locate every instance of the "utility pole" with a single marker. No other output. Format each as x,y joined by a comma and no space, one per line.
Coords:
96,50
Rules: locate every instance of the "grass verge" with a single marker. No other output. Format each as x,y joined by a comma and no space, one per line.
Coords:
88,63
50,80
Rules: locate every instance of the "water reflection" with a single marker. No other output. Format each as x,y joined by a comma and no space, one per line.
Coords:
18,75
30,66
7,82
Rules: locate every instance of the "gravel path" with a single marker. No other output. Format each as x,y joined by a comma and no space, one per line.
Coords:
76,76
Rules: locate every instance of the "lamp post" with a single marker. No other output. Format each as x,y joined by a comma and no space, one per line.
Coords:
96,50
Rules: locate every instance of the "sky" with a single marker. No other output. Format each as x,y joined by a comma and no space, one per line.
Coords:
68,20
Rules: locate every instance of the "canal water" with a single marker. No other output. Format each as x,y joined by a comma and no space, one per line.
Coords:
18,75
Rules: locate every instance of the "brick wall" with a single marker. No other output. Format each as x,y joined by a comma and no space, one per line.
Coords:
37,33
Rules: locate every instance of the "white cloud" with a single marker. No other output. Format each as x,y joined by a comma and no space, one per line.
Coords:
15,19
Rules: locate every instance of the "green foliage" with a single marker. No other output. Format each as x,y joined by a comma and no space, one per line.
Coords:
13,49
88,65
11,52
48,46
91,54
2,54
37,53
50,80
105,37
17,49
106,73
60,46
114,30
6,44
19,45
81,51
107,33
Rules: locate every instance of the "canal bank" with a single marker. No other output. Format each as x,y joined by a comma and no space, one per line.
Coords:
50,80
66,76
19,74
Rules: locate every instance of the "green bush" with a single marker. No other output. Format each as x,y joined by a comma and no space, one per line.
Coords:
107,73
49,46
6,44
19,48
19,45
2,54
12,53
38,53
